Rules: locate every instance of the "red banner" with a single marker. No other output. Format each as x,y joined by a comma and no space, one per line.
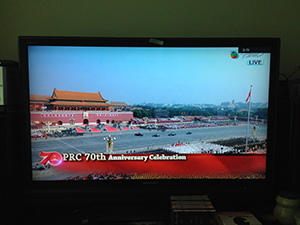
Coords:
163,165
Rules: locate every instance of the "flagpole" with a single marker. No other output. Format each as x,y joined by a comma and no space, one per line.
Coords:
248,120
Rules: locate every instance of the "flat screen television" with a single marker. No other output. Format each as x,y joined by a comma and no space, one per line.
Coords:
130,116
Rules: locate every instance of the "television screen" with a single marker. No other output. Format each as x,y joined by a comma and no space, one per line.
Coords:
106,109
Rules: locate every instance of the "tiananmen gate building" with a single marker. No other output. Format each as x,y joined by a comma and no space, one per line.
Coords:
70,107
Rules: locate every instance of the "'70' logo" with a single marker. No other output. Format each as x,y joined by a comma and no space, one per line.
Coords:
52,158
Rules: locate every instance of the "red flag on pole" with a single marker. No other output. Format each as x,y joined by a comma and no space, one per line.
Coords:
249,95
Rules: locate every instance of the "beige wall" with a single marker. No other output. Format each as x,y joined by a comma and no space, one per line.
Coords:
153,18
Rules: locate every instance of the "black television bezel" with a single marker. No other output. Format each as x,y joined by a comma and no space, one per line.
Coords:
91,189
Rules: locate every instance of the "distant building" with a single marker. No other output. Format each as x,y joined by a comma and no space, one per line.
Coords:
120,105
39,102
232,105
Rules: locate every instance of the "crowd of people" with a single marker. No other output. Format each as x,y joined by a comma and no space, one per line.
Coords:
202,147
101,176
119,176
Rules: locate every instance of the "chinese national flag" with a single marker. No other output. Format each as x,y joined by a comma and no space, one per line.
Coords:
249,95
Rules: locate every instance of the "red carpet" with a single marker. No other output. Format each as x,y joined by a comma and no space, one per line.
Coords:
79,130
109,129
94,130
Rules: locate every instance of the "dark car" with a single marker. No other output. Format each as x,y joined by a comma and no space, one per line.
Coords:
156,135
138,134
189,132
172,134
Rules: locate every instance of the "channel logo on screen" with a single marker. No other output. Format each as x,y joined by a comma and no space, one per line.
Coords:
234,55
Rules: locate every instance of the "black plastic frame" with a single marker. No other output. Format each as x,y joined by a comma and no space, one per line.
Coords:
92,190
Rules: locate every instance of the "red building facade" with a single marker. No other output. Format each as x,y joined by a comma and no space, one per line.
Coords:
71,108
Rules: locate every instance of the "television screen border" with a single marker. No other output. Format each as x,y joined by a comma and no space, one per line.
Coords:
65,188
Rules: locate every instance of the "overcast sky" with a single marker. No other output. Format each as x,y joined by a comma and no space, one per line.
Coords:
156,75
